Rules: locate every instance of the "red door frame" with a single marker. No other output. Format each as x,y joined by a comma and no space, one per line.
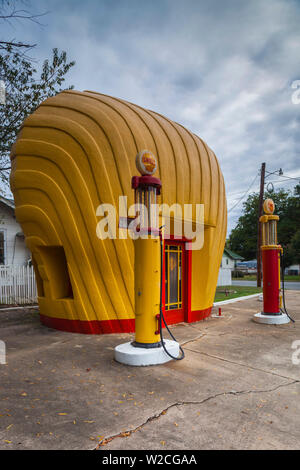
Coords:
183,314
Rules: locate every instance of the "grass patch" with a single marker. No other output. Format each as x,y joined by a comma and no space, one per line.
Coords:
235,291
252,277
288,278
247,277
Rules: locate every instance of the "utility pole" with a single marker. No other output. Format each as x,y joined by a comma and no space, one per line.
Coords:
260,207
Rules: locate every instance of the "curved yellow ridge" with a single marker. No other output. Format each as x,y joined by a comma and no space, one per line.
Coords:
76,151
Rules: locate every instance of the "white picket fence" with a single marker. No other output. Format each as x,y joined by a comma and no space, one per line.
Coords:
17,285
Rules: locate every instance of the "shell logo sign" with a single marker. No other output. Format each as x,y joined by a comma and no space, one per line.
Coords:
269,206
146,162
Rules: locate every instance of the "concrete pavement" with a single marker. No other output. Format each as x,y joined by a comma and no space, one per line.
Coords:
237,388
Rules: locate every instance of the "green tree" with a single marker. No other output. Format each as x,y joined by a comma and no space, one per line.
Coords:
25,87
295,247
243,238
10,12
25,90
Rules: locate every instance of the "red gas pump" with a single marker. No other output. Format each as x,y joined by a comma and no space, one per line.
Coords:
270,254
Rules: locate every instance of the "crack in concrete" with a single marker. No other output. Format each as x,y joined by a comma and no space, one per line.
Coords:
194,339
241,364
204,332
156,416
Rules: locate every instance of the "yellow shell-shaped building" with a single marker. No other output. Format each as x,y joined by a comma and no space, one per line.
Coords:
76,151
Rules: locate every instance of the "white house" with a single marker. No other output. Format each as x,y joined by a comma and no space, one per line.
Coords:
13,250
293,270
228,264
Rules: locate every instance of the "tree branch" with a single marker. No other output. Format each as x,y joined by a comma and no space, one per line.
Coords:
4,44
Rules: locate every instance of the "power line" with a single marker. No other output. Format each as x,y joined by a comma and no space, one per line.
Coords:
274,182
235,194
283,181
290,177
244,194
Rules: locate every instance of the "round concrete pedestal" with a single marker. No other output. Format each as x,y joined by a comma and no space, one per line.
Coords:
133,356
271,319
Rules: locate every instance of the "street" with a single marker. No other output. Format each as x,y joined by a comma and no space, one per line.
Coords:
287,285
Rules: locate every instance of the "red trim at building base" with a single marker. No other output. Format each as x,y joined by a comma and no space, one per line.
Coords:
197,315
97,327
93,327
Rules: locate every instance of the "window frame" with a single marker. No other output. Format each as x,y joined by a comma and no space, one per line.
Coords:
4,231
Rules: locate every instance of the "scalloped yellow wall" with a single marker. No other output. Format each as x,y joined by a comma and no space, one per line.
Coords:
76,151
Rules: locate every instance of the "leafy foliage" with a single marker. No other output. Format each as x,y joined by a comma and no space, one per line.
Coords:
25,90
243,238
295,247
25,87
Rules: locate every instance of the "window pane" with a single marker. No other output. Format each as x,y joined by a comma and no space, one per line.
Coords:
166,279
173,269
173,277
2,247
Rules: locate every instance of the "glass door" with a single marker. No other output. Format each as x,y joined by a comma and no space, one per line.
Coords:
174,281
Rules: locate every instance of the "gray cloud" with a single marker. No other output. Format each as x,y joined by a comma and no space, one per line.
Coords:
223,69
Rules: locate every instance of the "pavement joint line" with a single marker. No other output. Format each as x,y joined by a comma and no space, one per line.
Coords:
20,307
183,343
13,352
208,327
192,340
103,442
242,365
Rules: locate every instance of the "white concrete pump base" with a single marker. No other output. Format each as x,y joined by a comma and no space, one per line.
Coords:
271,319
132,356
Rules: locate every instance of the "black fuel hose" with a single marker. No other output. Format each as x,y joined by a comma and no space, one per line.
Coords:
284,310
161,315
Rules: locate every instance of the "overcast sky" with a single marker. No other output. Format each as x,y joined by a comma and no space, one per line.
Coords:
224,69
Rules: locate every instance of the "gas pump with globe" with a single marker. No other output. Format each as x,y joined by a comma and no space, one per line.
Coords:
270,254
147,348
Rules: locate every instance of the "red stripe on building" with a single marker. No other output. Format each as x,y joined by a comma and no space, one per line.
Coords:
93,327
97,327
198,315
